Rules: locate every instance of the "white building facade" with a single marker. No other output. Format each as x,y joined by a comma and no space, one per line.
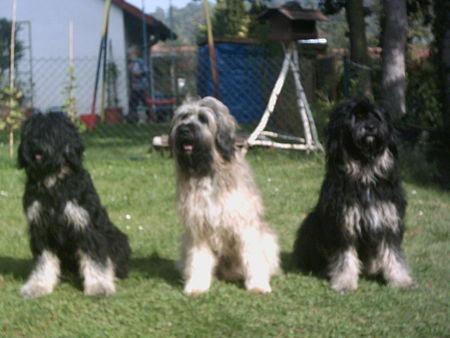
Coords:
43,70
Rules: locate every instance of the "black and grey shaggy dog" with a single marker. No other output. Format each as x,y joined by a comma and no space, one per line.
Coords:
357,225
68,226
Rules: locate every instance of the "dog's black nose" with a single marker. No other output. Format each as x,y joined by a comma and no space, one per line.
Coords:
369,127
185,129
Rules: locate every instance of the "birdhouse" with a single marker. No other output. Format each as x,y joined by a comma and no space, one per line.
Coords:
292,22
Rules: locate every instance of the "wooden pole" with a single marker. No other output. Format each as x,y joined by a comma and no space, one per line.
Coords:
70,109
212,51
297,77
100,53
105,51
311,140
300,93
272,100
12,71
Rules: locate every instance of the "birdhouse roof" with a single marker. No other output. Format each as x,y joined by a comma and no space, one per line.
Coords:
293,11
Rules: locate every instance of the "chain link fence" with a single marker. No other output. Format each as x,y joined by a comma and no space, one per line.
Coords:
246,76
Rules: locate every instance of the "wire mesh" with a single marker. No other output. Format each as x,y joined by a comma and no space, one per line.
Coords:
245,82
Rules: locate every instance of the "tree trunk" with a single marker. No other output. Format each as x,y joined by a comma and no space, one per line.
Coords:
393,77
354,11
441,141
442,36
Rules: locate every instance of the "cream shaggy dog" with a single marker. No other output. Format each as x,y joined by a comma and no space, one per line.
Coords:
218,202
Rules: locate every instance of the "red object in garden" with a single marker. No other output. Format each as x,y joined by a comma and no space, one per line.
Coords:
113,115
161,102
89,120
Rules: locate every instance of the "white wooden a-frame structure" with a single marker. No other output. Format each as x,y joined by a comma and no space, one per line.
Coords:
261,137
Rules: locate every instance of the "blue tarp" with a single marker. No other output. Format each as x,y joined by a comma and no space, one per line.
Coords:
240,68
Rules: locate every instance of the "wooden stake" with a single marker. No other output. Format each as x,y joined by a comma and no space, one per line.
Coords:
12,70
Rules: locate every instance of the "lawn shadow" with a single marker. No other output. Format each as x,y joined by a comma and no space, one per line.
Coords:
288,263
158,267
18,268
153,266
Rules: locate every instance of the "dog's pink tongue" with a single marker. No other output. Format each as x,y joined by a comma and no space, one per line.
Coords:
37,156
187,147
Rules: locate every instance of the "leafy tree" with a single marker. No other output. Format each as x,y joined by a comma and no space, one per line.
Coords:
11,115
186,22
70,102
355,14
230,19
5,42
441,29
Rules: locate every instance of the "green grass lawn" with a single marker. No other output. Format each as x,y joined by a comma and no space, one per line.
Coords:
138,189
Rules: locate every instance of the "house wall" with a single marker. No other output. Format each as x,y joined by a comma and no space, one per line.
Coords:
49,46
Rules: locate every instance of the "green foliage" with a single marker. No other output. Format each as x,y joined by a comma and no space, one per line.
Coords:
422,99
11,115
230,19
441,33
70,102
186,22
414,161
112,73
5,41
331,7
257,29
189,22
335,31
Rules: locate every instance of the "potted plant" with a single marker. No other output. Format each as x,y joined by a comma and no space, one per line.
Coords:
69,106
113,111
11,115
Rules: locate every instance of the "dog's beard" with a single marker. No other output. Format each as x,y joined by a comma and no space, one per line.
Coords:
193,152
370,142
42,161
365,145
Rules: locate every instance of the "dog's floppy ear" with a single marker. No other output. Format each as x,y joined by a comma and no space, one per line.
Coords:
22,155
73,153
74,148
226,127
333,142
339,117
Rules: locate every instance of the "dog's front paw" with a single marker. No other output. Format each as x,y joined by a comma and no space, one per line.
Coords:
406,283
258,287
192,288
344,285
99,289
35,290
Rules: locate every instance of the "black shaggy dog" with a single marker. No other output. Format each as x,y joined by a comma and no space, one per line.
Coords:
68,226
357,225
